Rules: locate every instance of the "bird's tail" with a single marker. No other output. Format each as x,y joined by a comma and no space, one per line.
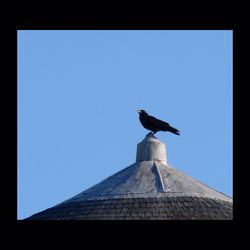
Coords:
174,130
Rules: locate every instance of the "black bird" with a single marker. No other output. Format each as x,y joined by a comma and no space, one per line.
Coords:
154,125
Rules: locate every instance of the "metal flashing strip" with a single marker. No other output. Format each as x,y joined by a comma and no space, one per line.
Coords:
159,174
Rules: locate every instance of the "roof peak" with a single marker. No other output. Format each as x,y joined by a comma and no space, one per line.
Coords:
151,149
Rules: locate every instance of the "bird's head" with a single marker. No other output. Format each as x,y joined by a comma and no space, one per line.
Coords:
142,112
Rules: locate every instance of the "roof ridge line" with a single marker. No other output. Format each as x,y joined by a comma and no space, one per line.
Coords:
159,174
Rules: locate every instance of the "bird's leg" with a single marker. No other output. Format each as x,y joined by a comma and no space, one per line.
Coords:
150,133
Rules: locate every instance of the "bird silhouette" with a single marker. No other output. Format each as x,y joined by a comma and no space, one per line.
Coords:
154,125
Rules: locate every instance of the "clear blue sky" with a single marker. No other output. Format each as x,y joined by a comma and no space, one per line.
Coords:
78,92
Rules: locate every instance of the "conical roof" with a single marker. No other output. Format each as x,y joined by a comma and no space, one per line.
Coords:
148,182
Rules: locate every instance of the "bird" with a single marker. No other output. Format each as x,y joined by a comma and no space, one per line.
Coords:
155,125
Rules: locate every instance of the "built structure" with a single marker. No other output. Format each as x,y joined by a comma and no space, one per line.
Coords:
149,189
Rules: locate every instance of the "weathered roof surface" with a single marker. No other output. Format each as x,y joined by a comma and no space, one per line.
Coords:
154,208
148,179
150,176
149,188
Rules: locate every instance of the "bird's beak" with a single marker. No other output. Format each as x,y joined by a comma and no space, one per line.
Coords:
139,111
